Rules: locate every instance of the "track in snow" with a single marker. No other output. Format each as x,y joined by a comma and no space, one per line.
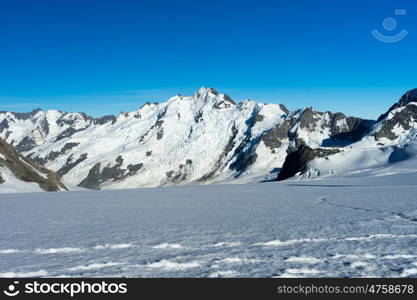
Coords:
339,227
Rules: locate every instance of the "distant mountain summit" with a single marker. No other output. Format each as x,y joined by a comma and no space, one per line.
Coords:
408,97
400,121
382,144
18,173
203,138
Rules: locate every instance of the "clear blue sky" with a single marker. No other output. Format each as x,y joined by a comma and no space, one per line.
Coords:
105,56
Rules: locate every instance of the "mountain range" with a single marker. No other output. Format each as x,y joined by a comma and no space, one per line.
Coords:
208,138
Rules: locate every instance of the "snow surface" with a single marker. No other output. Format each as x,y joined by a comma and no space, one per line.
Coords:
357,226
356,161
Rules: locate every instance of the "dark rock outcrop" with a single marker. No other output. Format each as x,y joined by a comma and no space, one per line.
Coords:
26,144
98,175
284,109
356,129
410,96
181,174
70,164
27,170
105,119
297,161
54,154
274,137
226,103
403,118
68,132
93,179
349,130
24,116
4,125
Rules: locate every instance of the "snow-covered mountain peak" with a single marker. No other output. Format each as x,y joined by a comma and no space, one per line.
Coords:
382,145
204,99
202,138
206,92
399,123
209,96
409,97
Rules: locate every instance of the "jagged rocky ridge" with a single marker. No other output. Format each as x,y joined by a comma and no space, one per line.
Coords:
400,120
392,139
202,138
18,173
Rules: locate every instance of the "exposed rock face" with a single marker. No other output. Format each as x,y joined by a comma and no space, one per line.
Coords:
24,116
356,129
70,163
181,174
399,119
98,175
274,137
26,144
284,109
105,119
340,128
316,129
405,119
54,154
26,170
297,161
4,125
408,97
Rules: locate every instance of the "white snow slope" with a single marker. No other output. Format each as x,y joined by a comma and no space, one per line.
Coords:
356,226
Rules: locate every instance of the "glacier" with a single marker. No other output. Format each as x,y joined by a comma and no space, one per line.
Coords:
356,225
